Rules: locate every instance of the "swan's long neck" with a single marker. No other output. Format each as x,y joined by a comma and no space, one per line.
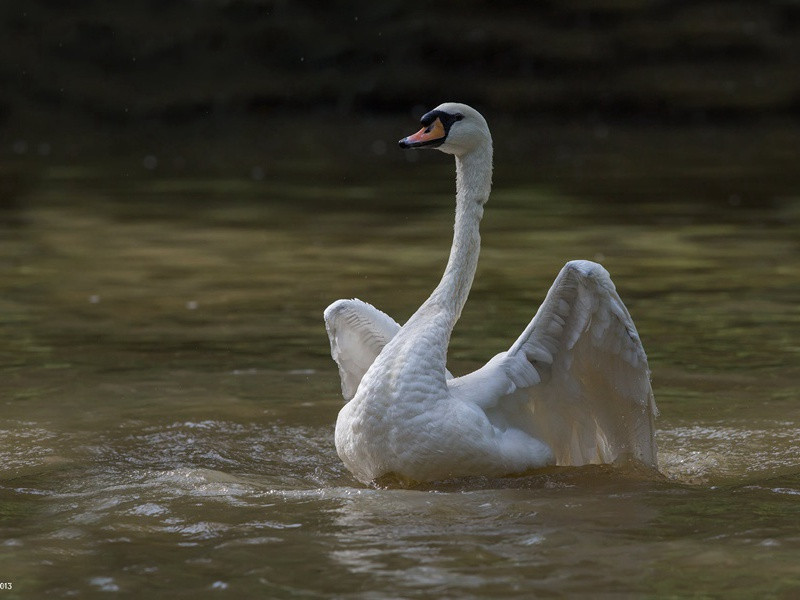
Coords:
443,308
473,184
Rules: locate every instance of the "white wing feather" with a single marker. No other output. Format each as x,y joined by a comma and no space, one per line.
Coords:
593,402
577,378
358,332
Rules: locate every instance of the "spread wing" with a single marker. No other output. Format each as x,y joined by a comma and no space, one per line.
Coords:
577,378
358,332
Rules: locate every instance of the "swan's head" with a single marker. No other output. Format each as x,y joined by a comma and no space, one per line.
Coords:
452,128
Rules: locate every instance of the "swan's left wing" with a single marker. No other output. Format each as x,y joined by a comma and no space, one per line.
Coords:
358,332
577,378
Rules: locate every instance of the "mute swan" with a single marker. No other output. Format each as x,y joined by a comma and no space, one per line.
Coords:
573,389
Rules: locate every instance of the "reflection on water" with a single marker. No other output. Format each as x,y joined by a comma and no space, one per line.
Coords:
169,400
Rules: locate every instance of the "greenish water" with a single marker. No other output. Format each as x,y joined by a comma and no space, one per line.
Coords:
168,398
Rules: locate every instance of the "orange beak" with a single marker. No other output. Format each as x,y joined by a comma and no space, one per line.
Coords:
432,135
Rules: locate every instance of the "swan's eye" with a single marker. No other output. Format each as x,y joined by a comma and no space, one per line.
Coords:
458,117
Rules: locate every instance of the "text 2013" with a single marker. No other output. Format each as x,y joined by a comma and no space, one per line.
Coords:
6,585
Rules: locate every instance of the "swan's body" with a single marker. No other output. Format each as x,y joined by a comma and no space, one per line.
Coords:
573,389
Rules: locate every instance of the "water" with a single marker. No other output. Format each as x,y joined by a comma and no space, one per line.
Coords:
169,400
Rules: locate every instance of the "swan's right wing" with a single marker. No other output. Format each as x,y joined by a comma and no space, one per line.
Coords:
358,332
577,378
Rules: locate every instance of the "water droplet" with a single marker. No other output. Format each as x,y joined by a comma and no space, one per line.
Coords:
104,584
301,372
379,147
192,305
532,540
219,585
44,149
257,173
20,147
601,132
770,543
94,299
245,372
150,162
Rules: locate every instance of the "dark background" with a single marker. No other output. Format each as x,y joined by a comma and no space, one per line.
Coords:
219,82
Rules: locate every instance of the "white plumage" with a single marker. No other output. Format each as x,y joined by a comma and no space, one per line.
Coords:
573,389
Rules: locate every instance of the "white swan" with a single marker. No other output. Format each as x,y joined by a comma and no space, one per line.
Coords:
573,389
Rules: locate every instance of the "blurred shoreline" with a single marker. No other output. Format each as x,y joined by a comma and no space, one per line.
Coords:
581,95
750,164
186,60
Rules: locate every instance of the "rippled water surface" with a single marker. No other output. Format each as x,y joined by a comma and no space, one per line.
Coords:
168,398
